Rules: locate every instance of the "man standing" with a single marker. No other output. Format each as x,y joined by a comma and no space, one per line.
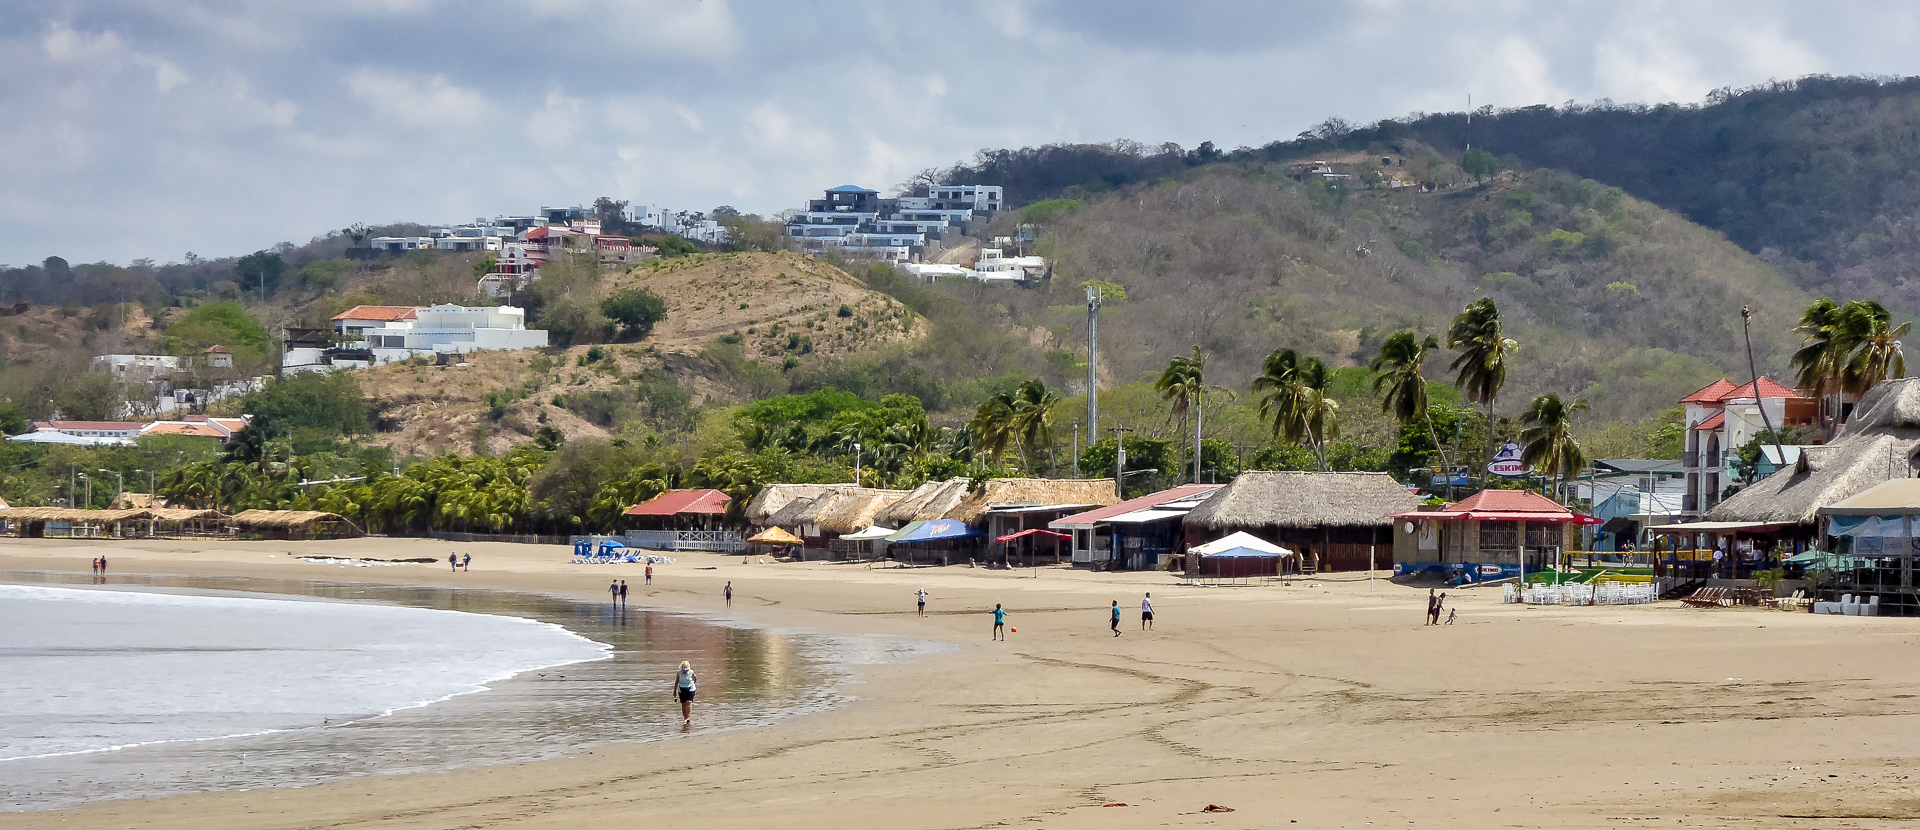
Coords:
1116,618
649,572
1146,612
921,595
1433,613
729,593
453,562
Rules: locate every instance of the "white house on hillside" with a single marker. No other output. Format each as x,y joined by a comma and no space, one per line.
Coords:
373,335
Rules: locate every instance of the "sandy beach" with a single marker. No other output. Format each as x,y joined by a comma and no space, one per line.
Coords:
1323,703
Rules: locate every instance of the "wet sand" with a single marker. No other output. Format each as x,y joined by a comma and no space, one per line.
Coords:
1324,703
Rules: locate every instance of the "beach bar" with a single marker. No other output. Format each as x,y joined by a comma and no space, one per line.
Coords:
1492,534
684,520
1335,521
1134,534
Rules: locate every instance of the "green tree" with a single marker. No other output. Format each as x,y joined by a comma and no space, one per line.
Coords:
1402,386
1182,383
1294,401
995,425
1546,442
260,272
1874,354
635,309
1479,164
1481,366
225,324
1033,419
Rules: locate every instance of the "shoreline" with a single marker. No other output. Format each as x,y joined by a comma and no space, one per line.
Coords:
1325,706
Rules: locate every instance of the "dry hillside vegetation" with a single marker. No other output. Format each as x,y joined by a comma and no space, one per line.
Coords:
781,304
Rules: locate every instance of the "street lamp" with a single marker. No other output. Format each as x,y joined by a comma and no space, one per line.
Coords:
150,487
89,480
856,464
120,490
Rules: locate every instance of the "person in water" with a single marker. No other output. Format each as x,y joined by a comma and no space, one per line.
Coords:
729,593
684,687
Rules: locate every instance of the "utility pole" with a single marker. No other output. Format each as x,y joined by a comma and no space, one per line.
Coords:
1076,448
1093,361
120,490
1759,402
856,464
1120,462
1199,416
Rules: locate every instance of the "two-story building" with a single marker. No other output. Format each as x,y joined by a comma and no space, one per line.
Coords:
1722,417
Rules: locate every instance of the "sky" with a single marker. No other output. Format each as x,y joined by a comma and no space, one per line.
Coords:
151,130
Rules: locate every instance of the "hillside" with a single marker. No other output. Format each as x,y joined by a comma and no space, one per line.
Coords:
785,308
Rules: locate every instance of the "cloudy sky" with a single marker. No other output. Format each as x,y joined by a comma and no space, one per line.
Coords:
139,129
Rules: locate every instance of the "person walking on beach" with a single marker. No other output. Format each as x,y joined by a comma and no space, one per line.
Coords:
466,561
921,595
453,561
683,687
999,622
1439,603
1116,618
623,593
729,593
1433,609
1146,612
96,566
649,572
613,592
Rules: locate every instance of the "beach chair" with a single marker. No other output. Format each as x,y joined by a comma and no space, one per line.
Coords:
1704,598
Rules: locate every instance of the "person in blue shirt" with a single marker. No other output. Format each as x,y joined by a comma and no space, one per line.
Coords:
1116,618
999,622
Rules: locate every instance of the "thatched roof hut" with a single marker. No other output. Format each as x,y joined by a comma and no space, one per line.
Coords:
773,497
1881,442
74,515
296,524
854,509
929,501
1082,492
1303,500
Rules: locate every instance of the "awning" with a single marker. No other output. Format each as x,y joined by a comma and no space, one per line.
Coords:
1239,541
1859,526
937,530
1246,553
875,532
1717,527
1143,516
1034,532
775,536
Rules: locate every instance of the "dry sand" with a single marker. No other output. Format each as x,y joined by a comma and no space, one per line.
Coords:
1324,704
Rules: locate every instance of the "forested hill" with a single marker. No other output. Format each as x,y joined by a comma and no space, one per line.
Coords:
1819,176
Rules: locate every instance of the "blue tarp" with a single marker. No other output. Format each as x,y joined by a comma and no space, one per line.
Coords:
938,530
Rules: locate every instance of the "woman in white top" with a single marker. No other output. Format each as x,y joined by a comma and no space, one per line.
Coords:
684,687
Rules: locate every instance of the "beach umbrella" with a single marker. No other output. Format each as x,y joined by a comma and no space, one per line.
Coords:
775,536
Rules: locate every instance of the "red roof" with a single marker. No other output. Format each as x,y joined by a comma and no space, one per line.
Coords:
1184,491
1714,392
382,313
217,349
1718,420
675,502
1768,389
98,426
1504,506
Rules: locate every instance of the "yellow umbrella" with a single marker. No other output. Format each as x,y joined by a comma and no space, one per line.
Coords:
776,536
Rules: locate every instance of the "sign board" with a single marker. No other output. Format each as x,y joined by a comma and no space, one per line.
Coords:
1507,464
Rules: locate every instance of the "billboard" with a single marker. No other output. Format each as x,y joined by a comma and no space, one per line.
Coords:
1507,464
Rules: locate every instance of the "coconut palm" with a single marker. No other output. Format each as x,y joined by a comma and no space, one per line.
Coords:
1402,385
1033,410
1547,442
993,427
1183,383
1815,364
1293,398
1873,342
1484,351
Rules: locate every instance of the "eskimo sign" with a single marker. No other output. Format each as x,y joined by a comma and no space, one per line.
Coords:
1507,463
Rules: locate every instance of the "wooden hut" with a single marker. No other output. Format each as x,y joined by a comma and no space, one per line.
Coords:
187,521
296,524
853,510
1336,521
1004,507
71,522
773,497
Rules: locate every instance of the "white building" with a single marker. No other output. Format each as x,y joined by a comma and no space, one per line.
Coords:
856,220
1722,418
138,368
375,335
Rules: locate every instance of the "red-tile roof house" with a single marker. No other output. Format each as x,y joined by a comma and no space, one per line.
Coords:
1483,536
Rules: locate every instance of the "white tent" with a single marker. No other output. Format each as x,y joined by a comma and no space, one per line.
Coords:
1239,540
875,532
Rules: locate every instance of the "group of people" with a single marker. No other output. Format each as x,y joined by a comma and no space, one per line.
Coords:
460,561
1000,614
1436,604
99,566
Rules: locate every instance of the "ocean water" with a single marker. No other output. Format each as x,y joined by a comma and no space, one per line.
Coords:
154,685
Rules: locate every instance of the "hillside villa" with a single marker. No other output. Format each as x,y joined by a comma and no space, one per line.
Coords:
372,335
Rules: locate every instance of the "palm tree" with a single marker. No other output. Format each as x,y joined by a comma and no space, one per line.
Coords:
1815,362
993,427
1874,354
1033,419
1484,351
1183,382
1402,385
1547,443
1292,393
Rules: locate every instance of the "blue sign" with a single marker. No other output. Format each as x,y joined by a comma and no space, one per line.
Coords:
1462,572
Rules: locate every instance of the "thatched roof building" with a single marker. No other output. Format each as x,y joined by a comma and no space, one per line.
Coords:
1082,492
73,515
296,524
1332,519
773,497
1303,500
855,509
1881,442
929,501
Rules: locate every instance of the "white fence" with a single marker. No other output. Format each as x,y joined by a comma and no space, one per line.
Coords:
717,541
1606,593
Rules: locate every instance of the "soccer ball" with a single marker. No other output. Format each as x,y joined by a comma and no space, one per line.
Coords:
1014,630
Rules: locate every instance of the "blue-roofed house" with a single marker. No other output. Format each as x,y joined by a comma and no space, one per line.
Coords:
847,198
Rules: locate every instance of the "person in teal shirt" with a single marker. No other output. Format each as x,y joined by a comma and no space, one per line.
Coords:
1116,618
999,622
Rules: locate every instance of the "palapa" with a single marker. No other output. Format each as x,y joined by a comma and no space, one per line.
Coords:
773,497
1302,500
1086,492
775,536
1882,438
931,500
852,509
72,514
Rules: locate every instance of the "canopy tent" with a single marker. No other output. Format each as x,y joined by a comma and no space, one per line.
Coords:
871,533
1034,532
1240,541
775,536
609,547
935,530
